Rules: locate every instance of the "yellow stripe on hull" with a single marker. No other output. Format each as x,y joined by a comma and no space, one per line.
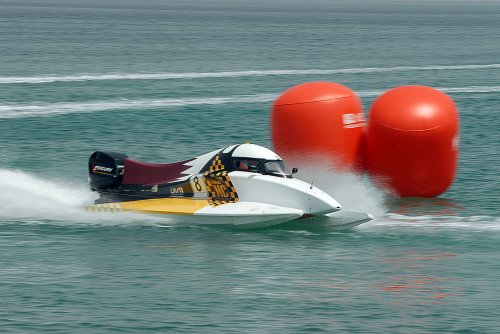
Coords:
179,206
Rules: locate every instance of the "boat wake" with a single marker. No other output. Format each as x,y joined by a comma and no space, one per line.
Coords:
231,74
8,111
27,198
436,222
22,110
357,193
30,199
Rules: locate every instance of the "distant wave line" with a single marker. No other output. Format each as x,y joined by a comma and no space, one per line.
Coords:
229,74
451,90
51,109
9,111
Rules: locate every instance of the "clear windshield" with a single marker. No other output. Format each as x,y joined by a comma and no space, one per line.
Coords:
268,167
276,168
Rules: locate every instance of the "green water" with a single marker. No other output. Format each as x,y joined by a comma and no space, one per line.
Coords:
166,81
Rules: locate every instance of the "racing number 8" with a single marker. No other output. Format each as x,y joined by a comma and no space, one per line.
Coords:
197,184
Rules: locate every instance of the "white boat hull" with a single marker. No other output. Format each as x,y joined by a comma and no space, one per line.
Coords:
239,214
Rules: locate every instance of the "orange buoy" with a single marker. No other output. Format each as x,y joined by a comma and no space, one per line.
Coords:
318,120
411,143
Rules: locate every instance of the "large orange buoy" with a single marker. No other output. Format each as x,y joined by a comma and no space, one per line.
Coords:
411,143
318,120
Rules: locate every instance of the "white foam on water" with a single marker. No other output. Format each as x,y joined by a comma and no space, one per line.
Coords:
52,109
353,191
228,74
27,198
471,89
436,221
451,90
19,110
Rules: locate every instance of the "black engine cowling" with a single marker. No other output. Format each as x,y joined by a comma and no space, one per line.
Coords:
105,170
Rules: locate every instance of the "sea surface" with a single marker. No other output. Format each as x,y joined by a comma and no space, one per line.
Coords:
165,81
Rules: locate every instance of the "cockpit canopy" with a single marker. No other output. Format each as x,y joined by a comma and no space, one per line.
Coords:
258,159
267,167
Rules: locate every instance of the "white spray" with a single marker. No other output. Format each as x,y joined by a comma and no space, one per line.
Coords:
27,198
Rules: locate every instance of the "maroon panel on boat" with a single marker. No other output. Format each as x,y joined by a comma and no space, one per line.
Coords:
137,172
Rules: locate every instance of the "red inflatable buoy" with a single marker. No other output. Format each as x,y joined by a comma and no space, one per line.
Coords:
318,120
411,143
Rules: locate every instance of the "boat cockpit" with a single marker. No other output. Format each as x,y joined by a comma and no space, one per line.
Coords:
266,167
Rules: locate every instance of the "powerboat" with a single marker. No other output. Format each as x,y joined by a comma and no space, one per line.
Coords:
244,185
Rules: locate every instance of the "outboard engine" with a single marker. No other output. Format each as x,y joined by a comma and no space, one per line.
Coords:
105,170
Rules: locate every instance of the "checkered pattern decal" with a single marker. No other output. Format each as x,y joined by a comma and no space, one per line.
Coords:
220,189
109,207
